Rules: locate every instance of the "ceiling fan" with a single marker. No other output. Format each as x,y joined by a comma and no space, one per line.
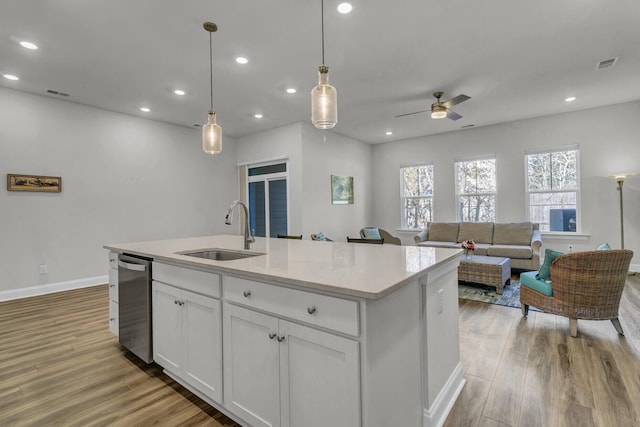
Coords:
440,110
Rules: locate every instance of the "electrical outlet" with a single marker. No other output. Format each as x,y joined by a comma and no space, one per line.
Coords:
44,269
570,248
440,300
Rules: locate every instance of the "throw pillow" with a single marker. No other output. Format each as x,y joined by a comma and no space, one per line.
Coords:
545,268
603,247
320,236
371,233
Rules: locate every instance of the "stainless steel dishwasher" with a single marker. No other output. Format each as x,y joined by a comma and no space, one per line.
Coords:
134,307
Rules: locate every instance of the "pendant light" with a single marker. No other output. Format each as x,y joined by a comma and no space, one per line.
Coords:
324,98
211,132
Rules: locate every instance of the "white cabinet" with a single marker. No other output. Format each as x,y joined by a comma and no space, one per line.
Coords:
187,334
280,373
113,293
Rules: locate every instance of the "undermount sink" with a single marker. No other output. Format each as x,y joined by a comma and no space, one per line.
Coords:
220,254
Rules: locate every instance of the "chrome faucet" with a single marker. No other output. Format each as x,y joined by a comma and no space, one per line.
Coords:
248,238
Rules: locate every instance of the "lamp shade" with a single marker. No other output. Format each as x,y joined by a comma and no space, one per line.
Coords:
621,176
324,101
212,135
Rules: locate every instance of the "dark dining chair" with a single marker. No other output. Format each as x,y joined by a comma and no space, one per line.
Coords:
285,236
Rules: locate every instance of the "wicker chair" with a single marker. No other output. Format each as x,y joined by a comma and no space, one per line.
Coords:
384,235
586,285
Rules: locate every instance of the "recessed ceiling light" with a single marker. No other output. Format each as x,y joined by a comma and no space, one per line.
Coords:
388,133
291,90
258,116
10,77
145,109
179,92
345,8
28,45
570,99
242,60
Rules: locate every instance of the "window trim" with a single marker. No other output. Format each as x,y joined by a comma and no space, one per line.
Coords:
403,224
269,177
527,199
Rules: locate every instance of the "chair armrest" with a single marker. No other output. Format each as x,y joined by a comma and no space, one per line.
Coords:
536,241
422,236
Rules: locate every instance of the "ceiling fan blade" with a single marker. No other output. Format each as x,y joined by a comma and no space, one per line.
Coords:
457,100
411,114
453,115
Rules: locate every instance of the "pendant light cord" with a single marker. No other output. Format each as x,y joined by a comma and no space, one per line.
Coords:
211,69
322,24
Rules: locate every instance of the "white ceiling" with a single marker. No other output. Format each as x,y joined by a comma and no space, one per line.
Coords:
516,59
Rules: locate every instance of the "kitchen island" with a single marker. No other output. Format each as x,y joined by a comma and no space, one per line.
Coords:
309,333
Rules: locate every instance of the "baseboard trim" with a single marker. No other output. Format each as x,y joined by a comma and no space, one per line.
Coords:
33,291
436,415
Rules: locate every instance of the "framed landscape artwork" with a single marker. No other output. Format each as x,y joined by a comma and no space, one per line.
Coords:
341,190
46,184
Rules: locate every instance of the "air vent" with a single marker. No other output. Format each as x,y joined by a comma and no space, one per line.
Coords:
55,92
606,63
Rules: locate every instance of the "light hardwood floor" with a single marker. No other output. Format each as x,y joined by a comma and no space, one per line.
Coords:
59,365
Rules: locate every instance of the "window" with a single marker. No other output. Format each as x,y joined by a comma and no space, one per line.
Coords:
416,194
268,206
476,190
553,188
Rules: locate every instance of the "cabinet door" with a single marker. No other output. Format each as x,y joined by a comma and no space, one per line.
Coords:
167,348
251,352
202,333
320,378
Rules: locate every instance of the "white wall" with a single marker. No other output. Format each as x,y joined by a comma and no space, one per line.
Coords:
325,154
123,179
609,139
314,156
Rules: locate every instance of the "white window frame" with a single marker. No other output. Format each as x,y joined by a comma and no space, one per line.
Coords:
403,198
266,178
456,182
548,150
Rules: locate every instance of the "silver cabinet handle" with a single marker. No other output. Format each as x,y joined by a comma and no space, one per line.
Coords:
247,294
112,319
311,309
272,335
112,286
281,338
134,267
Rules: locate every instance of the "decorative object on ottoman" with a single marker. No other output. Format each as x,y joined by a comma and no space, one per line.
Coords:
468,246
584,285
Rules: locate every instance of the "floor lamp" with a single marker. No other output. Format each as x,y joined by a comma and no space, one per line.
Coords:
619,178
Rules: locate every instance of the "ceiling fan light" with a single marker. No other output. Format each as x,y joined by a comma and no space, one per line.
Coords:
212,135
438,113
324,101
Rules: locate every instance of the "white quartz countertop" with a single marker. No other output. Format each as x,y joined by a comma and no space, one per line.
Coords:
355,269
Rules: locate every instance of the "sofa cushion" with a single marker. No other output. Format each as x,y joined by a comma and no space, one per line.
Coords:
529,280
510,251
515,233
482,249
443,231
479,232
545,268
438,244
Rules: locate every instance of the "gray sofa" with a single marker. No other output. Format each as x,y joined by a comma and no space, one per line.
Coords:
519,241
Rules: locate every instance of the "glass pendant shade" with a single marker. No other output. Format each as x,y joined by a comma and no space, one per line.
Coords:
212,135
324,101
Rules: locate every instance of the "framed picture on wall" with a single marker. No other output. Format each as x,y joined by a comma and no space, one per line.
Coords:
341,190
45,184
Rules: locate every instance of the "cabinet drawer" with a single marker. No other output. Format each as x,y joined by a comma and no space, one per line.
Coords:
329,312
198,281
113,285
113,317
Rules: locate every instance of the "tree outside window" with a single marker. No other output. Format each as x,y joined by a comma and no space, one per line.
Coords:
476,190
553,189
416,194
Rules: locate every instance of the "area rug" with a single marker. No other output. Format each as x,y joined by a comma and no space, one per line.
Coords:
475,292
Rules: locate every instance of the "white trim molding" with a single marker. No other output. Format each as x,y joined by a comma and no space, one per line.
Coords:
436,415
50,288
